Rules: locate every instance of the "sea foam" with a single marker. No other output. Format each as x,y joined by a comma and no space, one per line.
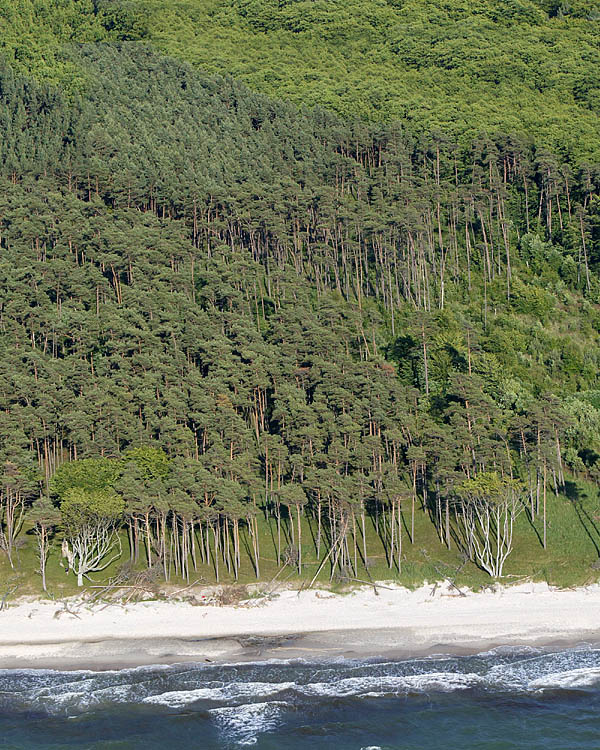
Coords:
231,691
207,687
242,724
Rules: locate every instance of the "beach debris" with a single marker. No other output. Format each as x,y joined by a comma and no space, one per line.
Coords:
373,584
65,610
445,576
9,592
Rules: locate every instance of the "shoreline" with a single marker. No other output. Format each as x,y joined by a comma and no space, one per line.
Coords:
114,655
314,625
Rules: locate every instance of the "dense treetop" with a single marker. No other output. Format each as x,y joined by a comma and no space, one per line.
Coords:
462,69
465,69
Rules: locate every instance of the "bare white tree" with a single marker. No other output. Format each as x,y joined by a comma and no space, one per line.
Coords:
488,506
91,522
45,517
12,508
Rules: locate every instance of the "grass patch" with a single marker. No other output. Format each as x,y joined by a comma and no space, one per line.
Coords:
573,549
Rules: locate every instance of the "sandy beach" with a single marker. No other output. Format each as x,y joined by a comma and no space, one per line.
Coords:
310,624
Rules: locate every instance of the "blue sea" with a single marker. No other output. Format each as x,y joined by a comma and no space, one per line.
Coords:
501,699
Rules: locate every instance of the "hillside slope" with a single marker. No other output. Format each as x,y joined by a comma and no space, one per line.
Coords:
281,336
465,70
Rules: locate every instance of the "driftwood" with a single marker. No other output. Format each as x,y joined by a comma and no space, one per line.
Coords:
372,583
125,580
133,588
443,575
185,588
65,610
270,590
120,586
9,592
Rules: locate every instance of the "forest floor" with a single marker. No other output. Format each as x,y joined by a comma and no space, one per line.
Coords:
571,558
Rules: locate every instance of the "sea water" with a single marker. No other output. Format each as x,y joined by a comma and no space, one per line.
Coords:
501,699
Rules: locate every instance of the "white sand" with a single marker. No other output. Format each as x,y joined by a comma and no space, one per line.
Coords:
359,623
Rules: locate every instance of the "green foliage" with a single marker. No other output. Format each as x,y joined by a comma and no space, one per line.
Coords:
457,69
532,300
35,33
44,513
292,495
123,21
460,69
82,507
489,487
91,474
152,462
262,313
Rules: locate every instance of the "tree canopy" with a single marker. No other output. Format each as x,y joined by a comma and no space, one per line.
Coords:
524,68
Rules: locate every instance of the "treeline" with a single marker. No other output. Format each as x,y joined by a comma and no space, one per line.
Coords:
311,319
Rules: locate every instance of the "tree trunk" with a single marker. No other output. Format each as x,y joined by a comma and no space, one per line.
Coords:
148,543
399,545
299,542
43,540
393,533
278,512
216,535
319,528
544,510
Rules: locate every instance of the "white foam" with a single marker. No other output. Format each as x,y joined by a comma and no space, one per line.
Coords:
174,687
243,723
573,679
566,669
86,697
512,651
404,684
445,682
178,698
228,691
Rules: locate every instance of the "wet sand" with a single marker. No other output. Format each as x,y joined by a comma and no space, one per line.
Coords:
324,646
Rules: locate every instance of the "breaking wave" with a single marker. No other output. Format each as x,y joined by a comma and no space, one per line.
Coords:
243,724
244,701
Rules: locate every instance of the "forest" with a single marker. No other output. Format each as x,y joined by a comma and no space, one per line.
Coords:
240,335
461,70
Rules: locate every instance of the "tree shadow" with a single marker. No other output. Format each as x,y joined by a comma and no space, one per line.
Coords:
245,539
272,533
405,524
313,527
530,521
572,491
377,517
574,494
